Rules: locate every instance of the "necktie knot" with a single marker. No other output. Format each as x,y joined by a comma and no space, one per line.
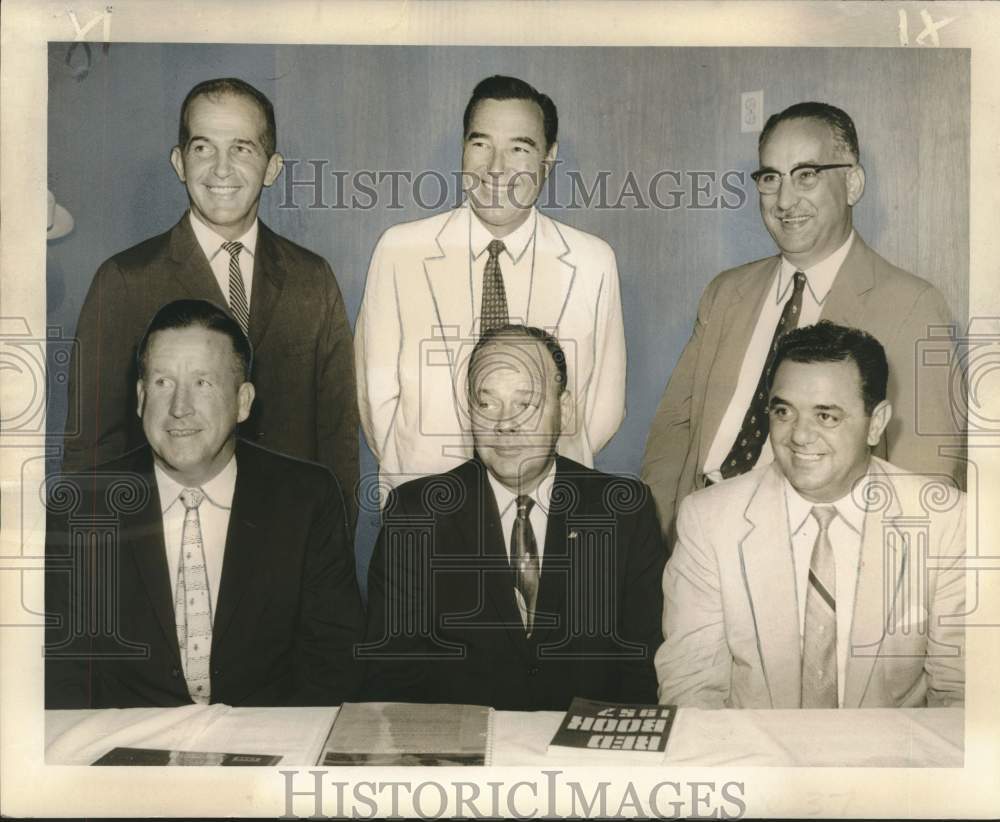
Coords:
192,497
524,506
824,515
234,247
799,280
495,247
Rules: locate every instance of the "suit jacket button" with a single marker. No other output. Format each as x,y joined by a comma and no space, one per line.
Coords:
175,673
534,670
217,672
260,435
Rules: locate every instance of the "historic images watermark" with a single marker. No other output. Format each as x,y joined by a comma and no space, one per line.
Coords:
309,795
312,183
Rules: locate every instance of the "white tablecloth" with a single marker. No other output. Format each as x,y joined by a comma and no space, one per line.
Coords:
930,737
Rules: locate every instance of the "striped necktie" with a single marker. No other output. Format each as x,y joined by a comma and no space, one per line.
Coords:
237,289
819,638
524,558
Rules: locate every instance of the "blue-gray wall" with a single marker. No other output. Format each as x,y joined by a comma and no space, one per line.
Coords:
639,111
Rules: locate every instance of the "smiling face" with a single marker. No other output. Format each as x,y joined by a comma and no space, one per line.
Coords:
809,226
516,409
224,165
820,432
191,397
505,161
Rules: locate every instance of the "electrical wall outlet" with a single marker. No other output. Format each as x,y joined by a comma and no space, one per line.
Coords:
751,111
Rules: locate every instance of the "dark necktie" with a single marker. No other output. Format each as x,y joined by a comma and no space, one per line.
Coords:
494,308
237,290
524,558
819,637
750,439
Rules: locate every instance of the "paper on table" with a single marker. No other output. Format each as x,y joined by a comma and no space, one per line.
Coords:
397,733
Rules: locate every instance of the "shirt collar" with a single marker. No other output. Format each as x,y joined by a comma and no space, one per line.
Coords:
516,242
211,241
219,490
800,509
542,494
819,278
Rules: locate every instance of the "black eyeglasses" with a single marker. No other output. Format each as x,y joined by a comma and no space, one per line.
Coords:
803,177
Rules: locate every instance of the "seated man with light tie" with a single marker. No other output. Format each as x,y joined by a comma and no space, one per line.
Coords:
828,578
199,568
519,579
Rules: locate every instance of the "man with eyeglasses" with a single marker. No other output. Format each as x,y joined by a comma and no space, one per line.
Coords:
712,421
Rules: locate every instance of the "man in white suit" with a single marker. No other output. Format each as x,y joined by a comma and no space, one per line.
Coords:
828,578
434,285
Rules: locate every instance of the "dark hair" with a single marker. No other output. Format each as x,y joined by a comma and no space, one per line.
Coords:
839,122
829,342
203,314
231,85
529,332
499,87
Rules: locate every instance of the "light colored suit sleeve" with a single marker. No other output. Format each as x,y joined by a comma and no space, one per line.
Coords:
377,345
670,433
694,664
605,407
946,671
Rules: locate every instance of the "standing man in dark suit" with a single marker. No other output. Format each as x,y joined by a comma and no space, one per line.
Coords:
519,579
712,421
285,297
199,567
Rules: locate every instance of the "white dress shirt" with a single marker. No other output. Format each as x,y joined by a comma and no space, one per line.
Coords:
819,281
218,257
516,264
213,515
845,533
538,517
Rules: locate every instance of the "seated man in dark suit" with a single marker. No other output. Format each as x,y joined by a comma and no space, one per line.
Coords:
518,579
199,568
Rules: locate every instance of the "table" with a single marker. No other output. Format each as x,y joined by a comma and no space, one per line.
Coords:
927,737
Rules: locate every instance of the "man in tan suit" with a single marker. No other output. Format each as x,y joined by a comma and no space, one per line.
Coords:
829,578
708,424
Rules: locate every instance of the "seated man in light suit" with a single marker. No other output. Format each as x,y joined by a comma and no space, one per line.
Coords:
199,568
519,579
829,578
434,285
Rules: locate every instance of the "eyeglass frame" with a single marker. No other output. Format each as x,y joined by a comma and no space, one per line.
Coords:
816,167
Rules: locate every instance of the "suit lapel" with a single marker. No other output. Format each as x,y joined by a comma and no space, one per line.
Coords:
146,545
553,270
268,281
739,320
191,268
448,272
769,576
485,530
845,303
882,568
242,564
555,578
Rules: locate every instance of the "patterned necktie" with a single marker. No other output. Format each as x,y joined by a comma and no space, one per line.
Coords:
524,558
237,289
750,439
193,603
819,639
494,309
